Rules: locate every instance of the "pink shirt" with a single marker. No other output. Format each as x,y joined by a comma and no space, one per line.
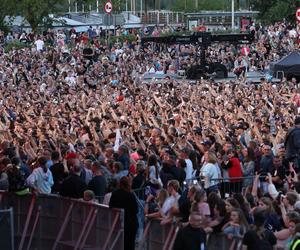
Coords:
203,209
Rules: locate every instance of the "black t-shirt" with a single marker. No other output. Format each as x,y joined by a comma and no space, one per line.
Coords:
88,53
279,172
59,175
253,242
98,185
184,210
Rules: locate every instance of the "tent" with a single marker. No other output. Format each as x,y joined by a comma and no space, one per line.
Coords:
289,65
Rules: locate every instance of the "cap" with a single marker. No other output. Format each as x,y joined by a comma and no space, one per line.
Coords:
239,126
206,142
71,155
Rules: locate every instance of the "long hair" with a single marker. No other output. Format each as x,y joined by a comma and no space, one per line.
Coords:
250,155
242,219
152,161
125,184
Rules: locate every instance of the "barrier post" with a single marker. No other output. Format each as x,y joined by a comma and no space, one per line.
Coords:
33,199
34,226
111,230
91,223
145,234
169,237
83,230
63,227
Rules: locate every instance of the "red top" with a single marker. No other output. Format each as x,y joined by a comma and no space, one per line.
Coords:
235,170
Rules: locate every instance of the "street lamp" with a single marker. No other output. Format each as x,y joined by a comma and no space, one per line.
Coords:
232,14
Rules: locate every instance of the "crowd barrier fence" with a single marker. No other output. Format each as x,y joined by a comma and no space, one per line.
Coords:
157,236
53,222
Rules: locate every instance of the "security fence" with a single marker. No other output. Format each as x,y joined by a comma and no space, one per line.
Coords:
52,222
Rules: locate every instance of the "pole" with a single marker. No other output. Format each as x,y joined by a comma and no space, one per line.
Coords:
69,6
126,7
97,6
76,7
141,9
232,14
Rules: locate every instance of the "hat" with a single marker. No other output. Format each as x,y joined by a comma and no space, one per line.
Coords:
239,126
71,155
206,142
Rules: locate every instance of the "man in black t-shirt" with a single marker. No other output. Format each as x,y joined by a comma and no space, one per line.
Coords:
278,173
59,173
191,237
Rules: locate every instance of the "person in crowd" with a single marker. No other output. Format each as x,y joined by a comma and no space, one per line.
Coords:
258,237
237,226
210,171
124,198
248,165
98,183
292,143
171,201
73,186
41,179
59,171
83,107
201,206
191,236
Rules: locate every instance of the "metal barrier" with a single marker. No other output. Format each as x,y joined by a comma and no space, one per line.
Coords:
163,237
7,229
158,236
52,222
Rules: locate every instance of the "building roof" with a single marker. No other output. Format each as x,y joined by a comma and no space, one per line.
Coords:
239,13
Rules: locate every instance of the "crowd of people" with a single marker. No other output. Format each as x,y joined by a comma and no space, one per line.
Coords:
77,119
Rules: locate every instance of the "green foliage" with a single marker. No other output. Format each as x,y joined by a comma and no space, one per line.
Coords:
35,11
15,45
6,8
191,5
275,10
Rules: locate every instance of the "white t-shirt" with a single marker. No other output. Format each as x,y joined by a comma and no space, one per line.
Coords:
211,171
170,202
39,44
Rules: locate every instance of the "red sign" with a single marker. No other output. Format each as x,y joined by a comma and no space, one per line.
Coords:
108,7
298,14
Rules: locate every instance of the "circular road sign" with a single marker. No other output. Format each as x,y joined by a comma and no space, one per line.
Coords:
298,14
108,7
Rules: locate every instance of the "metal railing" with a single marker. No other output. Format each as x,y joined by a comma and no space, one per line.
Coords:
7,229
157,236
53,222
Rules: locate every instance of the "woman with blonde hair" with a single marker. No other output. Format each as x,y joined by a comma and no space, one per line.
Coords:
210,172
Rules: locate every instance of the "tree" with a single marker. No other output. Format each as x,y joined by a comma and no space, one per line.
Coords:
6,9
36,11
275,10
